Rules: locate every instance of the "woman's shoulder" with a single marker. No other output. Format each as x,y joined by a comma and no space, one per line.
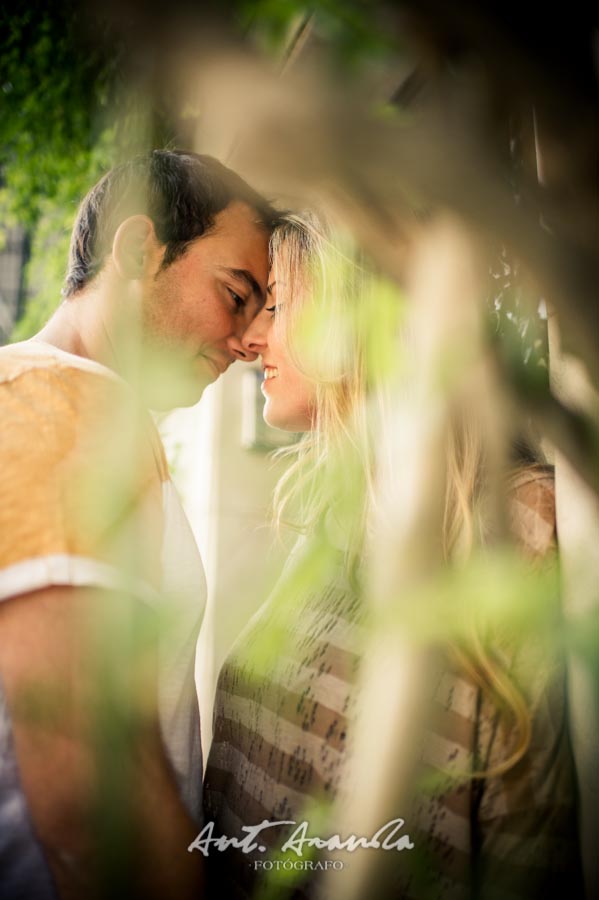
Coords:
531,504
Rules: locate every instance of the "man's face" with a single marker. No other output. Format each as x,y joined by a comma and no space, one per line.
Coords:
196,309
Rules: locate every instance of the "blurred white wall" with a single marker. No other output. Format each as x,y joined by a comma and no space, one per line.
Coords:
226,490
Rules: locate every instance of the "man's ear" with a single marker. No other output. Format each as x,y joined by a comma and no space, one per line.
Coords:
135,247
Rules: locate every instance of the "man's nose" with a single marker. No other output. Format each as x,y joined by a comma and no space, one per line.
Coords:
240,351
253,339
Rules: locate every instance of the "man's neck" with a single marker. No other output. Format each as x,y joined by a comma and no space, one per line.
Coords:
62,333
78,327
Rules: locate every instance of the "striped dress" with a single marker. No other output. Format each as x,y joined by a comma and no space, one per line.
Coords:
281,738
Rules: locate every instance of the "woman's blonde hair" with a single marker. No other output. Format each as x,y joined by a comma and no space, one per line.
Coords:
320,285
324,316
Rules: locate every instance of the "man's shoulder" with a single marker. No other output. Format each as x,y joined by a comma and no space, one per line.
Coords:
61,401
35,358
48,393
81,467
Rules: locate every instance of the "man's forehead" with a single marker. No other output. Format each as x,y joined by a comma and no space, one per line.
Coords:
240,219
240,254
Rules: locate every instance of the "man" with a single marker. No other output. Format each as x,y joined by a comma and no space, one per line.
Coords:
101,586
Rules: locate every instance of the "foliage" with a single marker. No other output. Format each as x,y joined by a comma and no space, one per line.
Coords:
352,30
65,118
57,86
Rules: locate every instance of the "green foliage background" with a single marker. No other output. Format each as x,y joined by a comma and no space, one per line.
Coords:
67,114
56,135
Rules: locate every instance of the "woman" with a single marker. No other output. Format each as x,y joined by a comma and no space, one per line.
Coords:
503,825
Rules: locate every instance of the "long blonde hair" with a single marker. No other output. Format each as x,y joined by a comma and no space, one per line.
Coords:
464,528
324,319
319,288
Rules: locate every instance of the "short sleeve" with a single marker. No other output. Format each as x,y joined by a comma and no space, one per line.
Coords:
80,485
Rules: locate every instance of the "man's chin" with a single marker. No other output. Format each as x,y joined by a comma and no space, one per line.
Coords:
170,391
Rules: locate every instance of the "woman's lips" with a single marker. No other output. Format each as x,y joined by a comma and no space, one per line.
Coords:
270,373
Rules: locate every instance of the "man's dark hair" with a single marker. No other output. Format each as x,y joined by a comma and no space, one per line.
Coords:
180,191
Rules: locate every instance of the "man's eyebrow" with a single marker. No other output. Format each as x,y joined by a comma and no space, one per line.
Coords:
247,277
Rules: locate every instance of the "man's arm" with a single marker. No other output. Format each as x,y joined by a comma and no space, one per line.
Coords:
82,699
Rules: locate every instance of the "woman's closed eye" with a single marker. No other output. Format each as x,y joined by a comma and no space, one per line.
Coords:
274,309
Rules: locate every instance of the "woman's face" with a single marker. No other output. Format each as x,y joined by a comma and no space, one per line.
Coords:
290,396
